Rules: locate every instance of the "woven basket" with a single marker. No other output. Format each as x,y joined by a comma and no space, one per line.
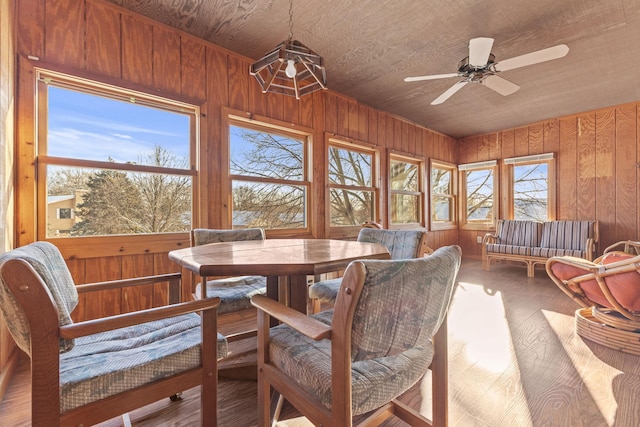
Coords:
589,327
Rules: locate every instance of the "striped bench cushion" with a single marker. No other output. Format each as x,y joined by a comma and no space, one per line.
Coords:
509,249
566,235
518,233
549,252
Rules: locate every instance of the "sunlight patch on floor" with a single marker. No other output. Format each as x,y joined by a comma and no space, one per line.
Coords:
585,362
480,323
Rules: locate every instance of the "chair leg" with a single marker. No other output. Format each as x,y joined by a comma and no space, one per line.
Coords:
278,407
315,305
126,421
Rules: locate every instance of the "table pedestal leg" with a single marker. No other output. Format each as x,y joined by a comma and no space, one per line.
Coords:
298,293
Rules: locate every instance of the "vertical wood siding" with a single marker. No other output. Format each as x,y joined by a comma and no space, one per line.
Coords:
597,168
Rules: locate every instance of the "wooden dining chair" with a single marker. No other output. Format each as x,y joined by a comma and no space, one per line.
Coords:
234,292
388,327
402,244
87,372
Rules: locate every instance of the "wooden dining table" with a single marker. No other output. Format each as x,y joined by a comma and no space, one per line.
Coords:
294,259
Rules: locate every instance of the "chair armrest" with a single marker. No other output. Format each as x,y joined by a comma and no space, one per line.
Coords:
489,238
308,326
582,263
104,324
590,248
115,284
628,246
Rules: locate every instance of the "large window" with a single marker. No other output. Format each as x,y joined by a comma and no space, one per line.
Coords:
443,195
269,176
120,162
405,190
352,178
530,196
479,189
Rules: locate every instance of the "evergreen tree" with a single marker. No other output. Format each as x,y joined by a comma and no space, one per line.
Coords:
110,206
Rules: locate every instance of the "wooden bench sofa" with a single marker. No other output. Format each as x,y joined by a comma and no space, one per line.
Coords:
534,242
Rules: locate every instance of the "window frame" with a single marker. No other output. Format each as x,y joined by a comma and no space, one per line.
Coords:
419,161
464,223
349,231
264,124
453,196
509,165
93,86
59,213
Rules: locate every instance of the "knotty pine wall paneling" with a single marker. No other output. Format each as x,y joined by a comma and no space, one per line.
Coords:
597,168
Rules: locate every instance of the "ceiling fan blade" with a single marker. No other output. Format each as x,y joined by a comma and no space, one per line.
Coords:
449,92
536,57
433,77
502,86
479,51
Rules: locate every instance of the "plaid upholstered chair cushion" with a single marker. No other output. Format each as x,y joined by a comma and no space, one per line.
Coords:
401,244
235,292
47,261
108,363
402,304
203,236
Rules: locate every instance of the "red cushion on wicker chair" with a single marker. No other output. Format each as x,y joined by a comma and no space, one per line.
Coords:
590,287
625,287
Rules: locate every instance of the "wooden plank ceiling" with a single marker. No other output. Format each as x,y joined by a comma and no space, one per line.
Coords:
369,46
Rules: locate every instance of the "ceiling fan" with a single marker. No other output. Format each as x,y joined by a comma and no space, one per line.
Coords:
481,67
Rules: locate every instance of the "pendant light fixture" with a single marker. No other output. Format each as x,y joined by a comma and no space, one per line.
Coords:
290,68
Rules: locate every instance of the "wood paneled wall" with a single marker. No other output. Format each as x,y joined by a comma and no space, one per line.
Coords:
99,40
8,351
597,168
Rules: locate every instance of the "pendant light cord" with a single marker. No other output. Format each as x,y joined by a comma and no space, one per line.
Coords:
290,19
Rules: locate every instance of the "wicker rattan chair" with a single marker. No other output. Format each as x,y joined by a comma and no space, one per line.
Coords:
608,290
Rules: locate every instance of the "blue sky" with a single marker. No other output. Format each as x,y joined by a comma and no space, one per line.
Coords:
93,127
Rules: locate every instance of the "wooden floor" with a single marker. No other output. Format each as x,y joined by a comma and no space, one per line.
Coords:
514,360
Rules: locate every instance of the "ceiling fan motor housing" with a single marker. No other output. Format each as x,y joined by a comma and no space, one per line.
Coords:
476,74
